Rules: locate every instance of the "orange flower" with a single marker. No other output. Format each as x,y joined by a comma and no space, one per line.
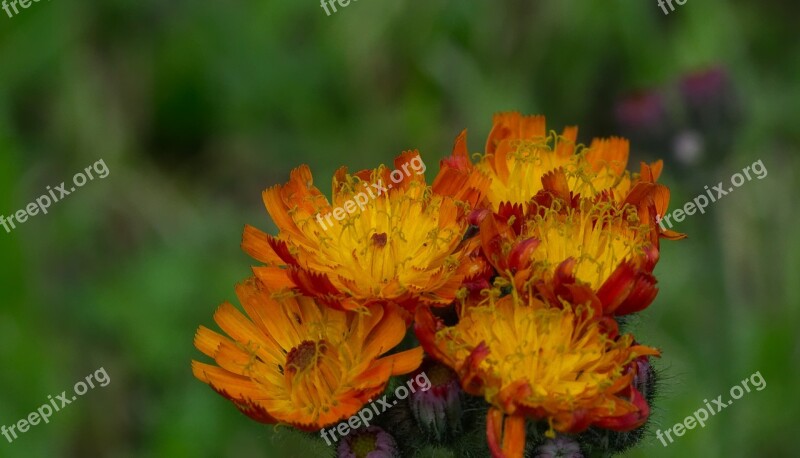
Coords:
531,360
520,154
579,250
566,221
386,242
291,361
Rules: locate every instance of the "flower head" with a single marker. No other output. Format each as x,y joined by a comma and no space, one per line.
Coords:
529,359
578,248
520,153
292,361
381,240
522,160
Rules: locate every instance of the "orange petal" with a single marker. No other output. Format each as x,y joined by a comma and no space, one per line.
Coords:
512,431
256,244
494,431
556,182
514,436
236,325
274,278
566,143
208,341
403,362
385,335
276,207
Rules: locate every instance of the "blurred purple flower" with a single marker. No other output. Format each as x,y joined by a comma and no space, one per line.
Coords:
643,110
713,111
702,87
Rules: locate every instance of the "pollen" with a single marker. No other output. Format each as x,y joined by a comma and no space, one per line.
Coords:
379,240
305,355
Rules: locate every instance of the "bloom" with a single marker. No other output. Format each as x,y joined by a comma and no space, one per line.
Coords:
578,249
404,246
514,268
522,159
529,359
292,361
520,152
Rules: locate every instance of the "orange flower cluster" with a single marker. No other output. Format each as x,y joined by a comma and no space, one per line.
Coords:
537,246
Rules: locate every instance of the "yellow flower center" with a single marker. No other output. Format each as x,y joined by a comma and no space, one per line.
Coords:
517,169
597,236
521,176
394,242
562,354
364,444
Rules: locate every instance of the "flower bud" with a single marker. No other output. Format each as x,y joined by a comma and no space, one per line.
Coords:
644,110
370,442
437,409
561,446
645,378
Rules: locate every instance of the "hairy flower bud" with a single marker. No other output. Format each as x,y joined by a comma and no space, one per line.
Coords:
438,409
561,446
371,442
645,379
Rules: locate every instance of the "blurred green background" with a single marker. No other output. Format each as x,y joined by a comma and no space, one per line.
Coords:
196,107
